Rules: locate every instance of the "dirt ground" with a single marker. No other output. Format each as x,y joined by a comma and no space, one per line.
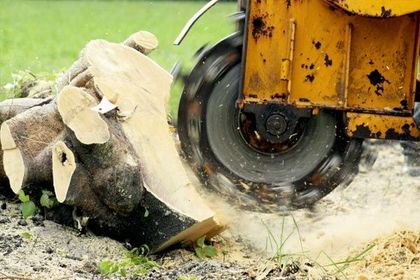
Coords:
373,224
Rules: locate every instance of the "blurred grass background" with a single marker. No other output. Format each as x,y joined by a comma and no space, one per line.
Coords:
45,37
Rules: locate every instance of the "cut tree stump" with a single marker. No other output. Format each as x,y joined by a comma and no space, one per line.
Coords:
104,146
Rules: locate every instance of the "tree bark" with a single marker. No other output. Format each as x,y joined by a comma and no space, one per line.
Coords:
10,108
26,143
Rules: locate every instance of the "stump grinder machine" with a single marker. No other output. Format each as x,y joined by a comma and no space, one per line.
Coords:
274,115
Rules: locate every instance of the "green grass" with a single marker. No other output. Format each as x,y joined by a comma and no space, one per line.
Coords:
46,36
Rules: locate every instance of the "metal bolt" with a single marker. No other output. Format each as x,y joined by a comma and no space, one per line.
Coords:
276,124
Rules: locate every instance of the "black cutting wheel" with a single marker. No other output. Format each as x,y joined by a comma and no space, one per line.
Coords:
223,148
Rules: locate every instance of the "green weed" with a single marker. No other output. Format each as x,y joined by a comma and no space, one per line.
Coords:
188,277
27,207
26,235
284,260
202,250
341,266
135,262
48,199
277,243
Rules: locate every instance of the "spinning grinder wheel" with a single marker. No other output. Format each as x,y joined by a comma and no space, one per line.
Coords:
264,165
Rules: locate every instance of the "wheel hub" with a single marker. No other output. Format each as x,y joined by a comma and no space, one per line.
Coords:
276,124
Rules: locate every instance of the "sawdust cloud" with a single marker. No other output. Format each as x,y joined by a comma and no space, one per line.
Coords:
378,203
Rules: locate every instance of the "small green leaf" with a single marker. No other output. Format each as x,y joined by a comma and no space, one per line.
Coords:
210,251
139,271
23,197
145,250
114,268
200,241
104,267
47,201
28,209
198,252
123,272
188,277
47,192
26,235
146,213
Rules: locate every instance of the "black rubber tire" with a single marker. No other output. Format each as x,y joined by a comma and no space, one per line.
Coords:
338,166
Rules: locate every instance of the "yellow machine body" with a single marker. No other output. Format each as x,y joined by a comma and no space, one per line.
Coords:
356,56
378,8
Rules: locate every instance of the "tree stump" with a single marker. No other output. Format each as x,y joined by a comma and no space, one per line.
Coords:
104,146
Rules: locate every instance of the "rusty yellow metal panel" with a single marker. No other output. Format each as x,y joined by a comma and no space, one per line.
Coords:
279,32
379,8
361,125
335,60
381,63
319,62
267,47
